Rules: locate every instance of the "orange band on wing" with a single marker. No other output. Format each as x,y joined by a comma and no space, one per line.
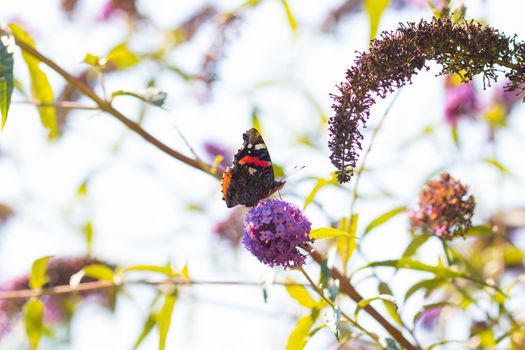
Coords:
255,160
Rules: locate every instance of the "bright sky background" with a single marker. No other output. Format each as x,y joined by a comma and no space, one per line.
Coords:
138,198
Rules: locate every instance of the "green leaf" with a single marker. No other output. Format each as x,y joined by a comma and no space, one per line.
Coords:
328,232
346,245
321,182
383,218
146,329
38,273
301,333
165,270
374,9
7,82
40,87
363,303
92,60
500,167
289,15
405,263
332,319
34,321
150,95
429,285
384,289
121,57
455,136
413,246
99,272
390,344
164,318
300,294
87,229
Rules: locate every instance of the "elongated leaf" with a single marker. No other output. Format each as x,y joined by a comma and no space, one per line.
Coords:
300,294
328,232
7,81
318,185
363,303
164,319
383,218
301,333
428,285
88,234
405,263
121,57
346,245
374,9
384,288
289,15
165,270
150,95
38,276
34,321
496,164
146,329
40,87
414,245
99,272
332,319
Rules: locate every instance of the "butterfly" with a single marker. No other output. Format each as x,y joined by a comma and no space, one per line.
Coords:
250,178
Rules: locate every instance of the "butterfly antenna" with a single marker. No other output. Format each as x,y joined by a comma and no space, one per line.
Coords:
295,170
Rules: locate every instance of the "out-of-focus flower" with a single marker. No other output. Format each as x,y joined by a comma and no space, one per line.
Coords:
57,307
445,208
114,7
429,318
6,212
272,232
213,149
187,29
500,106
230,229
460,100
68,6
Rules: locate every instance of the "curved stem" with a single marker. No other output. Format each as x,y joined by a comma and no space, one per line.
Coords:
106,106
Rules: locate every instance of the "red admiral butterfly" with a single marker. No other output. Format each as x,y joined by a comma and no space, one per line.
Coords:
251,176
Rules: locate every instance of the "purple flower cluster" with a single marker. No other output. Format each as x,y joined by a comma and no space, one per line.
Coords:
272,232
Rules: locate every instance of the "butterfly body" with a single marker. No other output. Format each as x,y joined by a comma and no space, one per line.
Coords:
251,176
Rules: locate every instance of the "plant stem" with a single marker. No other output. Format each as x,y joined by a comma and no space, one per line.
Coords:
331,303
96,285
348,289
107,107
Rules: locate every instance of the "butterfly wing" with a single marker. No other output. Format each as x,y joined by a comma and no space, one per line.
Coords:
251,176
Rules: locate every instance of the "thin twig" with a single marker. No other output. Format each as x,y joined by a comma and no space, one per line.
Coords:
59,105
106,106
97,285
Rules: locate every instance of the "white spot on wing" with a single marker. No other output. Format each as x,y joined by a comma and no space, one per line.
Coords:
250,145
252,170
260,146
